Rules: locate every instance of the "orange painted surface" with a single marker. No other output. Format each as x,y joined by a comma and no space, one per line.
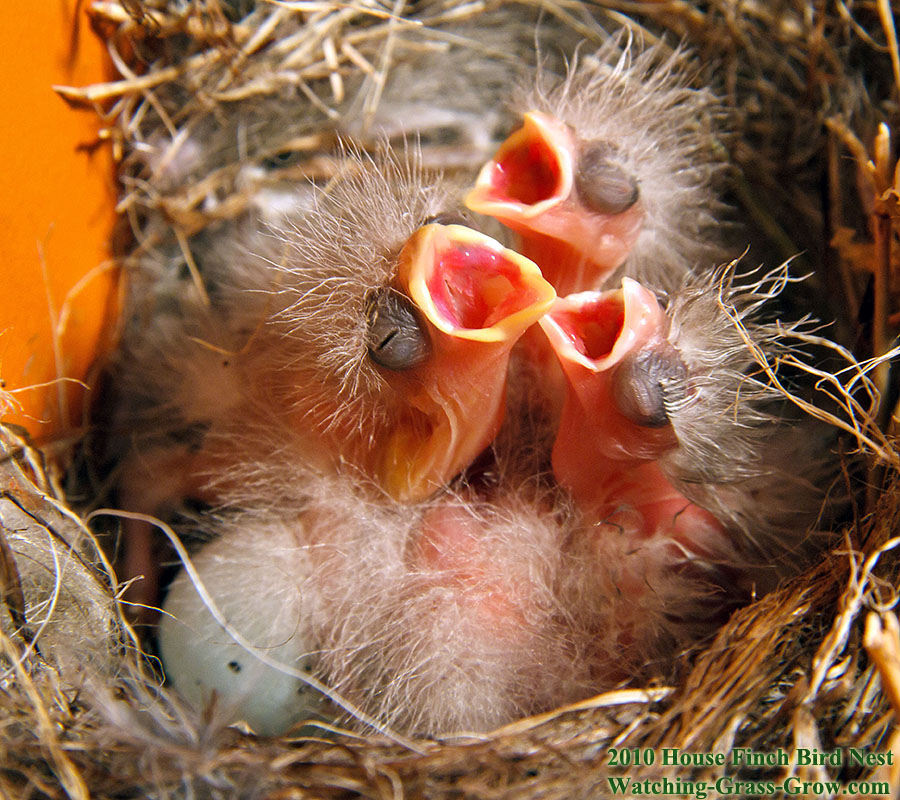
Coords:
56,216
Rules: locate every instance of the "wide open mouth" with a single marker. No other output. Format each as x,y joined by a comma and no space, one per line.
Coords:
597,329
593,329
531,172
470,286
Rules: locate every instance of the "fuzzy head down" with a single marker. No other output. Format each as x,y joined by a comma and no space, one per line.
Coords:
640,101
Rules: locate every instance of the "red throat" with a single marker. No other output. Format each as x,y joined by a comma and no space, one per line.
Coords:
477,298
529,186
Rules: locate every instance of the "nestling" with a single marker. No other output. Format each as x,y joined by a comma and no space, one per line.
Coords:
361,337
615,165
666,430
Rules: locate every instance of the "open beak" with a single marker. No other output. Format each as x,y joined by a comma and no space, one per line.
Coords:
597,337
530,177
620,369
531,185
477,298
591,332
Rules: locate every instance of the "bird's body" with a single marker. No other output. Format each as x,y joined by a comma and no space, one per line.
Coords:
463,612
668,430
432,617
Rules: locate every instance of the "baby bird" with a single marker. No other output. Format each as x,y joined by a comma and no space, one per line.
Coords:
624,380
368,335
665,430
615,165
458,614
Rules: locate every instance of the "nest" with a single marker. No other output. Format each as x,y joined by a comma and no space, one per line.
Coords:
815,664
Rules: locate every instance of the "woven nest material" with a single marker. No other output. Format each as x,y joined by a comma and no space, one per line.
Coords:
813,91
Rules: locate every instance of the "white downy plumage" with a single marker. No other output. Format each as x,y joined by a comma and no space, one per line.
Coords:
460,613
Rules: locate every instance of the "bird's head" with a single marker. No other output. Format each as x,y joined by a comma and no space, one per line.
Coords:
623,375
394,326
615,162
627,384
568,199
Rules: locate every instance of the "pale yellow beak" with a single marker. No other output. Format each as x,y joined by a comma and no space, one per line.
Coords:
477,298
531,173
596,330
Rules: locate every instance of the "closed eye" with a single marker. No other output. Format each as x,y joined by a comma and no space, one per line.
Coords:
649,385
447,218
395,334
602,184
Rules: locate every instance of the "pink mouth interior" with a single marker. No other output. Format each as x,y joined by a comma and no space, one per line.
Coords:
593,328
527,173
473,286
